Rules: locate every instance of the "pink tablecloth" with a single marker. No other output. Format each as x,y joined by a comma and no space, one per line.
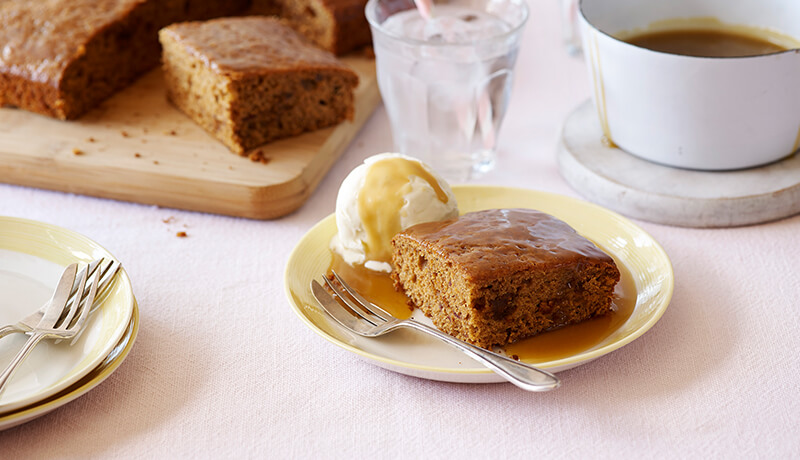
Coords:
223,368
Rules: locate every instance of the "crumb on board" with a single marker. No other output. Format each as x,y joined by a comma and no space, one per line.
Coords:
369,52
171,132
257,156
77,151
124,134
181,234
155,162
91,139
515,357
168,220
137,155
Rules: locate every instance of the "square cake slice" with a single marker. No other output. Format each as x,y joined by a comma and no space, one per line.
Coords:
496,276
339,26
61,58
251,80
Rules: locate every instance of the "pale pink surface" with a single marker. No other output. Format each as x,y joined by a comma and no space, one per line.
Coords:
715,378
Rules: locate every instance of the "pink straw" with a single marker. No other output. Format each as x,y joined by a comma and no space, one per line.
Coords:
425,8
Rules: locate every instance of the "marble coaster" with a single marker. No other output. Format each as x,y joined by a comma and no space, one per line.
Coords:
648,191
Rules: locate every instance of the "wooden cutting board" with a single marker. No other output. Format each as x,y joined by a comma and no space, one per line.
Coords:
137,147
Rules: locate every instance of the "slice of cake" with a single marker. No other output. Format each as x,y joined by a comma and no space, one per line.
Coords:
251,80
338,26
63,57
496,276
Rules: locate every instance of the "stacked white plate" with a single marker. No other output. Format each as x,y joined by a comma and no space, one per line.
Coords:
32,257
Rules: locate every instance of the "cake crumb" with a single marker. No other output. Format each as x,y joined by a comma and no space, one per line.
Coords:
181,234
155,162
124,134
168,220
171,132
257,156
91,139
137,155
515,357
369,52
77,151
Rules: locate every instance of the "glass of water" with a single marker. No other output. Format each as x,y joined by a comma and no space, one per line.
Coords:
445,78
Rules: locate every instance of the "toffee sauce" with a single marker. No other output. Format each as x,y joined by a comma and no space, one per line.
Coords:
561,343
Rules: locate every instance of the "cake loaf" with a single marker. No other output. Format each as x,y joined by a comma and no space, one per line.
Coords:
496,276
63,57
338,26
251,80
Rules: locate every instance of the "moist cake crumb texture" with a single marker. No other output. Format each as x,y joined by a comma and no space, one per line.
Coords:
63,57
252,80
338,26
497,276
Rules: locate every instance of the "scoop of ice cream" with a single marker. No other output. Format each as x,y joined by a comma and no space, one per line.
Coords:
386,194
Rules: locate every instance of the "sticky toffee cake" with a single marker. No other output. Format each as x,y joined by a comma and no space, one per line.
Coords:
251,80
496,276
63,57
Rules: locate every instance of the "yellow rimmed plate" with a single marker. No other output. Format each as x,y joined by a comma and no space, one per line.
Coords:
414,354
89,381
32,256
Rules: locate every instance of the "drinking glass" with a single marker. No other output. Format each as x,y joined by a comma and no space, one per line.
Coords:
446,78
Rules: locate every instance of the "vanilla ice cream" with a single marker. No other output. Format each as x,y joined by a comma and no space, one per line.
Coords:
388,193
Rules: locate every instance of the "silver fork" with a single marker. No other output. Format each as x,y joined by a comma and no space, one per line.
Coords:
27,324
53,325
369,320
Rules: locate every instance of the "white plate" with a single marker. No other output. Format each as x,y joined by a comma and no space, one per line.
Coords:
32,257
89,381
412,353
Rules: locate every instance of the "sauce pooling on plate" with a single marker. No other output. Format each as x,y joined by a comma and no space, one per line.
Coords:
567,341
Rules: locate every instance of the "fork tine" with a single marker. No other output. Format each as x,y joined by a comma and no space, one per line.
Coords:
371,307
353,305
340,313
64,284
87,306
105,277
95,285
76,301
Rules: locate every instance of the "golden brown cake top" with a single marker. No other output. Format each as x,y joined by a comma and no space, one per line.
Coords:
40,38
250,45
490,243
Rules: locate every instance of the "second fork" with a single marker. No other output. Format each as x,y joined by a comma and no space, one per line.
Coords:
367,319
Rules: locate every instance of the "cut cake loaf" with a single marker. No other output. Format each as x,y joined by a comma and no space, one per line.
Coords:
251,80
496,276
63,57
338,26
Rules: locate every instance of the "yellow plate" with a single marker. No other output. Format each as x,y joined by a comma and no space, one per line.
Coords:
89,381
414,354
32,257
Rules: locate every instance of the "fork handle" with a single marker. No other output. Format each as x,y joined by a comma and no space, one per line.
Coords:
10,329
21,355
520,374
